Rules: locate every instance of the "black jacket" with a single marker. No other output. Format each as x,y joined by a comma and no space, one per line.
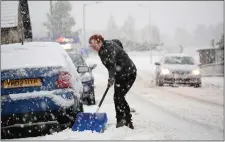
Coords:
116,60
118,42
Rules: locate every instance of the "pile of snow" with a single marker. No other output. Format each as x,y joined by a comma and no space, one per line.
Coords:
213,82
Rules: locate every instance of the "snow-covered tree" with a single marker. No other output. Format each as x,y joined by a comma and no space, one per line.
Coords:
201,35
217,31
155,35
129,28
60,22
112,28
182,36
213,43
145,34
221,42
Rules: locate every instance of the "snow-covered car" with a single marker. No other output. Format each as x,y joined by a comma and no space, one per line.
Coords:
177,69
39,86
87,77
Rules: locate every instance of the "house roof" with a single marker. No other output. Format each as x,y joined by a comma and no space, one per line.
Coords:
199,50
9,14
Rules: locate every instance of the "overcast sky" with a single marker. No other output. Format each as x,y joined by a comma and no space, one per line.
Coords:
167,15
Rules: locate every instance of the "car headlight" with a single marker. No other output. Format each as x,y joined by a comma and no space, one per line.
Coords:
86,77
196,72
165,71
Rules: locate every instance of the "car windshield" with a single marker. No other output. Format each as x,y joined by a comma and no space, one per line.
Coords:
77,59
179,60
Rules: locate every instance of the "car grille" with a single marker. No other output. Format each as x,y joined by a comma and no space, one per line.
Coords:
181,72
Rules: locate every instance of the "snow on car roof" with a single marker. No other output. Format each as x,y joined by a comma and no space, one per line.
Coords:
32,54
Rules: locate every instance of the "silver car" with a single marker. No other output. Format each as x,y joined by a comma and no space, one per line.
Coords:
177,69
87,77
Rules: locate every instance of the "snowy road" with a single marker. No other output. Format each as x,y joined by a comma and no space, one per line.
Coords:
164,113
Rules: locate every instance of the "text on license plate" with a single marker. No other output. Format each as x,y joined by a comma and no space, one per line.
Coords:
22,83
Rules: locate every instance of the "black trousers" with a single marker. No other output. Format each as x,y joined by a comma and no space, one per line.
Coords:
121,87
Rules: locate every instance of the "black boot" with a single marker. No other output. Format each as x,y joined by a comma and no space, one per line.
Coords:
129,122
120,123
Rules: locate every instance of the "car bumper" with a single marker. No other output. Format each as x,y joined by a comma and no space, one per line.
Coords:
37,102
30,119
180,79
38,110
88,89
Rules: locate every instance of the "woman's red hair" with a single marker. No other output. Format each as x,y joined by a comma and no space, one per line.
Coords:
96,37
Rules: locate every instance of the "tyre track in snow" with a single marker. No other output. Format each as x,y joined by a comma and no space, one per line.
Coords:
179,94
153,123
193,111
192,98
151,103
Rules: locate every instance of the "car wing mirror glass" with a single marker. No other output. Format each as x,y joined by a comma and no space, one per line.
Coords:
82,69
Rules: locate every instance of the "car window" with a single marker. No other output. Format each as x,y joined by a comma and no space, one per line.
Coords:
78,60
179,60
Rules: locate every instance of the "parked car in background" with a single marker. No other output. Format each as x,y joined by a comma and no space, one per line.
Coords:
87,77
177,69
39,86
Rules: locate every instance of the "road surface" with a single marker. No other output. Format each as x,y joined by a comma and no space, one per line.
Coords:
162,113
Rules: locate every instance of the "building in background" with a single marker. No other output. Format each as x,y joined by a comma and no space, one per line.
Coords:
10,22
15,22
211,61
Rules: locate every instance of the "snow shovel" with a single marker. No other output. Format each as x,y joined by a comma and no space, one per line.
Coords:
91,121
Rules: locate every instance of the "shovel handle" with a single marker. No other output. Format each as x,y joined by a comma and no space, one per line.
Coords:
103,97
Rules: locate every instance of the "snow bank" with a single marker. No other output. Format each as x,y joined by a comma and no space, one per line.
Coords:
33,54
213,82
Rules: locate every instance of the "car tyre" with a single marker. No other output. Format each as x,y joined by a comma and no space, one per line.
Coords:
91,100
68,117
197,85
159,82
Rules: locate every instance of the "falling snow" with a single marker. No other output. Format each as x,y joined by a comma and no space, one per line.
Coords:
160,112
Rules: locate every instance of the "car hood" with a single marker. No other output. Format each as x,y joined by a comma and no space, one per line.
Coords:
180,67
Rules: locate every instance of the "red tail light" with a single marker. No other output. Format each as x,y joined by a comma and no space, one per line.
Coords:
64,80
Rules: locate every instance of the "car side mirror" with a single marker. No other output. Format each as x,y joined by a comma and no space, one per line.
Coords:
82,69
93,66
157,63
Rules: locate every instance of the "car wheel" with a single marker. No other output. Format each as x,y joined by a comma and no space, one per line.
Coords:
80,108
91,99
158,82
68,117
197,85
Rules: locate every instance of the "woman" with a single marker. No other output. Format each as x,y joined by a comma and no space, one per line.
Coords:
122,71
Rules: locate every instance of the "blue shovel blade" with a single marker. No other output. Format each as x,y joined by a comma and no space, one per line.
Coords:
90,121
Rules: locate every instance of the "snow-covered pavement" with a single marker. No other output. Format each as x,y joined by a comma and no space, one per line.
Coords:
164,113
